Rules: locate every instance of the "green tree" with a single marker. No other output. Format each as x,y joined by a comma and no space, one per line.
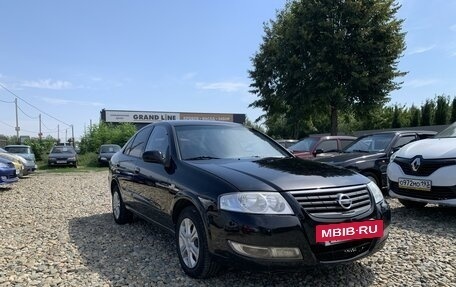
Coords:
321,57
41,147
453,111
415,115
427,111
441,110
396,122
106,134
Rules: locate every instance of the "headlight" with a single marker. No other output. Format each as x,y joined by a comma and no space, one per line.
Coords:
51,158
72,158
376,192
255,202
393,156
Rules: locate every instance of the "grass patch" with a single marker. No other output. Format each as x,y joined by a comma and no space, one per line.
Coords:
86,163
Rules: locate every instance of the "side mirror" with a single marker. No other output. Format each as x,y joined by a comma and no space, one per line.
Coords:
153,156
318,151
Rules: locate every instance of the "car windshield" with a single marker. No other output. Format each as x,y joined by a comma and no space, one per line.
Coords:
304,145
371,143
109,149
18,149
62,149
209,141
449,132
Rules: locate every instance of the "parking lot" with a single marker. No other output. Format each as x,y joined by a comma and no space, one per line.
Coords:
57,230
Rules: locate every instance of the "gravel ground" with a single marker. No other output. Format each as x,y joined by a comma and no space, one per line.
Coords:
57,230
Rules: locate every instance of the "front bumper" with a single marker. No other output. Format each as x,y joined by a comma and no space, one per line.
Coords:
445,202
290,231
7,178
443,189
61,162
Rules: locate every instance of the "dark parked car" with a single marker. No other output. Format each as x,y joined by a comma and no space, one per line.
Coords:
7,172
105,152
320,146
63,156
370,154
231,195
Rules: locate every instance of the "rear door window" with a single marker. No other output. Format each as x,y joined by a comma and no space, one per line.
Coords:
327,146
136,148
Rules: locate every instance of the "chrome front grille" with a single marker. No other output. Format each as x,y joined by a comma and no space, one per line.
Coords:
324,202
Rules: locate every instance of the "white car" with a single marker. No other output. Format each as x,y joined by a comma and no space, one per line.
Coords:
424,171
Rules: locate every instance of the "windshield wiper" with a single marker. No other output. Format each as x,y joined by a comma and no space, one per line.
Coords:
202,157
360,150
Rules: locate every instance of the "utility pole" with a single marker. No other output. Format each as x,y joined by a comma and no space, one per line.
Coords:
72,135
58,134
17,123
40,134
66,135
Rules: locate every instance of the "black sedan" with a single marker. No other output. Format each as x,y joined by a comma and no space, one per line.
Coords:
232,195
63,156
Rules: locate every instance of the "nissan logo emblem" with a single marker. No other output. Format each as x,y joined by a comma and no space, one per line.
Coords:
344,201
416,164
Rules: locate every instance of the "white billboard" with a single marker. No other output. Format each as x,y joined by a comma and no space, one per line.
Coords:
139,117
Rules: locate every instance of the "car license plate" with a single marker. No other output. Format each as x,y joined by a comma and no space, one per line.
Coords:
418,184
61,161
332,233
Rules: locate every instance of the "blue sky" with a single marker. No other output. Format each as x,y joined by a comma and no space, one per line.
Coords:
70,59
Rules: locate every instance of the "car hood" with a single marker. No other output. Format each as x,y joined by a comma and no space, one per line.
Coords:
430,148
344,159
273,174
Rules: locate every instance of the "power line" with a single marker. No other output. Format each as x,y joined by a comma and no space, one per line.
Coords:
33,118
1,85
7,124
49,129
7,102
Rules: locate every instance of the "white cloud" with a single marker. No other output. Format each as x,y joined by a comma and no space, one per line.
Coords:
56,101
48,84
420,50
418,83
223,86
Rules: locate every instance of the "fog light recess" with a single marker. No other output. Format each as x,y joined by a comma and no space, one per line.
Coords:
265,252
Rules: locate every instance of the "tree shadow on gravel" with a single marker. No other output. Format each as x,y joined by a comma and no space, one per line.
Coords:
431,220
141,254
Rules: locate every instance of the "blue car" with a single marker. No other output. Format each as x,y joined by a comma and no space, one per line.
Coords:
7,172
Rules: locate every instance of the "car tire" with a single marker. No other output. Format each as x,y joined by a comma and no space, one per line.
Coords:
191,234
120,213
412,204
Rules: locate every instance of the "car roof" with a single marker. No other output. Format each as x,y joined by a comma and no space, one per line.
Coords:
420,132
332,137
17,145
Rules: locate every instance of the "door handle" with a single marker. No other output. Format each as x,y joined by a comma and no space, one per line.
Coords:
137,170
